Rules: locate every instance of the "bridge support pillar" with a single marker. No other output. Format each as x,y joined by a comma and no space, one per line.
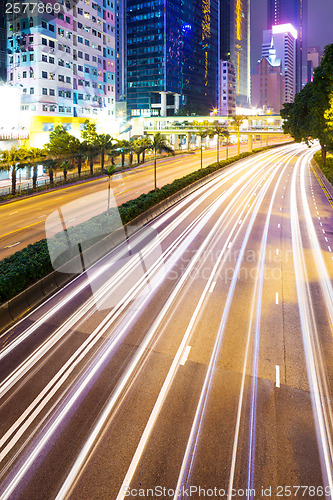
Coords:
188,141
175,140
250,143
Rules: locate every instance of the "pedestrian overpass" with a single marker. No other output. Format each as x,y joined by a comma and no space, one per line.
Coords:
182,131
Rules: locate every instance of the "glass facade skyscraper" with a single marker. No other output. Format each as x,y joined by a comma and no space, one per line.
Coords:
296,13
235,44
172,46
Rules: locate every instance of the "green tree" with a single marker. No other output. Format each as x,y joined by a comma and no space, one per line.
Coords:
309,116
109,172
59,143
104,144
59,149
125,147
12,161
159,144
236,122
202,133
89,136
35,156
140,146
77,151
219,130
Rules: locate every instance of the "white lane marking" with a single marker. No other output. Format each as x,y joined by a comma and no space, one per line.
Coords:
61,197
41,216
240,221
323,231
277,372
13,245
14,213
184,357
71,220
326,239
277,251
229,244
329,249
279,226
276,298
212,287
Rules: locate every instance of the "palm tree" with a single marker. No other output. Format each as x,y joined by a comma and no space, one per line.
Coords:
202,133
89,136
236,122
159,144
104,144
125,147
220,131
11,159
139,147
77,152
109,172
51,166
35,156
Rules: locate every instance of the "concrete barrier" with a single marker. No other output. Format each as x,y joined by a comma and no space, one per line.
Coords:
5,318
35,294
18,306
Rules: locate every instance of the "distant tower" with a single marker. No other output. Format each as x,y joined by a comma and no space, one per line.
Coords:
279,44
314,57
235,44
294,12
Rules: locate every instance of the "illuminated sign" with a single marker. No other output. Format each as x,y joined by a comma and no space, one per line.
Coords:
186,28
285,28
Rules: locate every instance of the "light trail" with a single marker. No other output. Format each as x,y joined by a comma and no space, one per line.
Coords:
83,456
188,460
95,369
309,333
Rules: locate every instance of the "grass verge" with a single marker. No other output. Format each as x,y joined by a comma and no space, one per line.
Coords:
328,169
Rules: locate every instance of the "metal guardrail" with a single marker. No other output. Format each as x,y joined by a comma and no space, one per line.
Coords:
326,183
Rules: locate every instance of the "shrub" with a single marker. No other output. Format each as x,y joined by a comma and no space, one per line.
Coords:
328,169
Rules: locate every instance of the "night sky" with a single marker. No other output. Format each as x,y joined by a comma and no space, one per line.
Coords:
320,25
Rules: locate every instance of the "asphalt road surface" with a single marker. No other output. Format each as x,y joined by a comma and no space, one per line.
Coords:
23,221
194,361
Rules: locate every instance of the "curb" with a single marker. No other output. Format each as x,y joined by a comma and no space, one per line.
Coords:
14,309
326,185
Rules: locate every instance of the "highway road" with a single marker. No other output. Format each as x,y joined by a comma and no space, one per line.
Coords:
23,221
195,360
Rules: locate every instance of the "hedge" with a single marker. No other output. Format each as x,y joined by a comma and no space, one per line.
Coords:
27,266
328,169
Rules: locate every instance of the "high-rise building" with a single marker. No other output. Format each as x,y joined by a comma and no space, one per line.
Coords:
3,47
63,59
172,55
120,34
235,44
227,89
314,57
294,12
268,85
279,46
